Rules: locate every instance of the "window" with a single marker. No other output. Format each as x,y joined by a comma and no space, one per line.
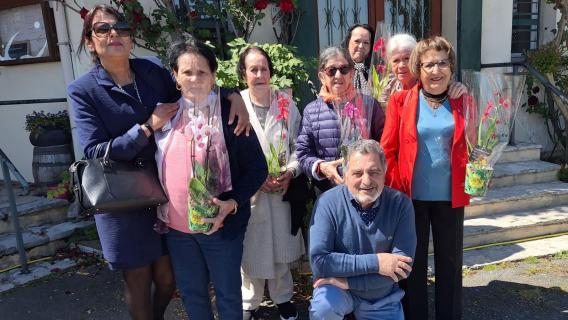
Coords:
525,27
27,32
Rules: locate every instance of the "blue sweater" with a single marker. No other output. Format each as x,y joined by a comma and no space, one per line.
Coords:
341,245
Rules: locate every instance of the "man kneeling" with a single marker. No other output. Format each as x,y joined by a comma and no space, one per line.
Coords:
362,241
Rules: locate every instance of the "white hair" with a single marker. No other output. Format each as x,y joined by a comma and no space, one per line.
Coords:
401,42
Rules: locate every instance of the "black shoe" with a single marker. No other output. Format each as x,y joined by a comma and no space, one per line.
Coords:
287,311
250,314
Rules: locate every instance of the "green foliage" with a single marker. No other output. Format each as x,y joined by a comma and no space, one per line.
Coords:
63,189
562,173
40,120
290,70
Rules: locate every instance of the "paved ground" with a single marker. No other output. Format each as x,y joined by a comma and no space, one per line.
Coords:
530,289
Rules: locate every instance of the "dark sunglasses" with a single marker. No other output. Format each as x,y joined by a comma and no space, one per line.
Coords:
331,71
102,29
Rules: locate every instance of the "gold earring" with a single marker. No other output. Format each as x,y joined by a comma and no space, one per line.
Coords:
178,86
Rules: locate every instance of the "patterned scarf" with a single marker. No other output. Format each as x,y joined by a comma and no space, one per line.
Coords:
359,79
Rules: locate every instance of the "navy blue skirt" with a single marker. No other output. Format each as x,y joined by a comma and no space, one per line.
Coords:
128,239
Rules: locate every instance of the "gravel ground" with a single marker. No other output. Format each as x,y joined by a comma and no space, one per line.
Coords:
530,289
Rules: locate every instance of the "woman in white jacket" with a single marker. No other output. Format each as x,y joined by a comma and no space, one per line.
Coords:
269,246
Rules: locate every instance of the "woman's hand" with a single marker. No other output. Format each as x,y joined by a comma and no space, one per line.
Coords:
283,182
268,186
456,90
239,109
225,208
162,114
329,170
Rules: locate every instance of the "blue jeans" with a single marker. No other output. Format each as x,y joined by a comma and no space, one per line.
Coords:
198,259
330,303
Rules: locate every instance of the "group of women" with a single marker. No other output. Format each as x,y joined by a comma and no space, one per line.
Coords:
138,107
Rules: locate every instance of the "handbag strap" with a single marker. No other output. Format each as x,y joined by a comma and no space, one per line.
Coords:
106,157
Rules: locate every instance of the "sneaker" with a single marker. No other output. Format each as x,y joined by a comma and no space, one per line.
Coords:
287,311
250,314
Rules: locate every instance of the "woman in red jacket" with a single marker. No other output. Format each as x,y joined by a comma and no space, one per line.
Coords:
426,153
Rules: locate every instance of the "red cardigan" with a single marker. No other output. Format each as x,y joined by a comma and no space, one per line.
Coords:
399,141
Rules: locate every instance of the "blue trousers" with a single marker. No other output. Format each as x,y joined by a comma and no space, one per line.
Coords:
197,260
330,303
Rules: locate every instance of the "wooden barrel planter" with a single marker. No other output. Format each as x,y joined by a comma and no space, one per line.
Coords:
48,163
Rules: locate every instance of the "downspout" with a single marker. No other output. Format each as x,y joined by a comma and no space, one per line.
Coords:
67,65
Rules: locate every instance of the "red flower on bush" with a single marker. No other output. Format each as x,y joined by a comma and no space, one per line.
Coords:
84,12
193,14
261,4
286,6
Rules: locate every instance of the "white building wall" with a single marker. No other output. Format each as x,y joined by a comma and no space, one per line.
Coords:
450,20
496,31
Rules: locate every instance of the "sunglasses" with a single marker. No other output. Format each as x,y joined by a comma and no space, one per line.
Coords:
102,29
331,71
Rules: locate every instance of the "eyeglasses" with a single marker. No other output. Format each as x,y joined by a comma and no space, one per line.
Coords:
331,71
429,66
102,29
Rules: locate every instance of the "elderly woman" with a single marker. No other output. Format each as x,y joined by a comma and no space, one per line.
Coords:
319,140
426,153
398,52
358,43
270,243
117,99
198,136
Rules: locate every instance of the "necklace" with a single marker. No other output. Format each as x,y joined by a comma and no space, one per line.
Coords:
435,101
135,88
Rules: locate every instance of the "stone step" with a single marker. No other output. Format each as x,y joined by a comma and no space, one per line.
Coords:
32,211
519,197
39,241
503,227
522,151
523,172
512,252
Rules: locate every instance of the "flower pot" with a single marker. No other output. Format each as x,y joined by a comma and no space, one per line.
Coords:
477,179
46,137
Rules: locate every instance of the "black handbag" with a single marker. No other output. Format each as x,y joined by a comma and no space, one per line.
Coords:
105,185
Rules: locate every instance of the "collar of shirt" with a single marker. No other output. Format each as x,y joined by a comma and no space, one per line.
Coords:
368,215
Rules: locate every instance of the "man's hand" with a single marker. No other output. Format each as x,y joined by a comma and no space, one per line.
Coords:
225,208
394,266
341,283
239,109
329,170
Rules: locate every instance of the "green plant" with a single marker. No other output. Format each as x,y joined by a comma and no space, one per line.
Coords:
63,189
36,121
290,70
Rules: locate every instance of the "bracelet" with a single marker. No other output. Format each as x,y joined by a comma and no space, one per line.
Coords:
234,211
149,127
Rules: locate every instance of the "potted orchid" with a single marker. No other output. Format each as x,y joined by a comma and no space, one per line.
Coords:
489,115
354,120
276,159
379,75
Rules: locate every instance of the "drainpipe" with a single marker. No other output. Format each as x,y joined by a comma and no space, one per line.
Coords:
67,65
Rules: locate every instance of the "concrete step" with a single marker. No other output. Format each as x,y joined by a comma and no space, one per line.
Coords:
512,252
521,152
39,241
32,211
519,197
523,172
503,227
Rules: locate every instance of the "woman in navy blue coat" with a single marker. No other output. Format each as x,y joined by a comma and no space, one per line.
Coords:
117,99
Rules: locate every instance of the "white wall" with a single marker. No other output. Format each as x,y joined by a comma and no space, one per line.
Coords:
496,31
263,33
449,20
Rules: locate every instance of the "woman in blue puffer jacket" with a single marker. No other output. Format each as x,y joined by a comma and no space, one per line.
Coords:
318,145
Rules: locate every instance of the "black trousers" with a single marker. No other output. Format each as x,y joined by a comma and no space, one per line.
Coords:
447,233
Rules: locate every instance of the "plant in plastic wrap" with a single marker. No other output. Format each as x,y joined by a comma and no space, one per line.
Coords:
276,160
379,73
490,111
210,171
354,120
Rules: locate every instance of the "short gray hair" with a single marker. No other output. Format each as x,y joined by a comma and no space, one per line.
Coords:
333,52
400,41
365,146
